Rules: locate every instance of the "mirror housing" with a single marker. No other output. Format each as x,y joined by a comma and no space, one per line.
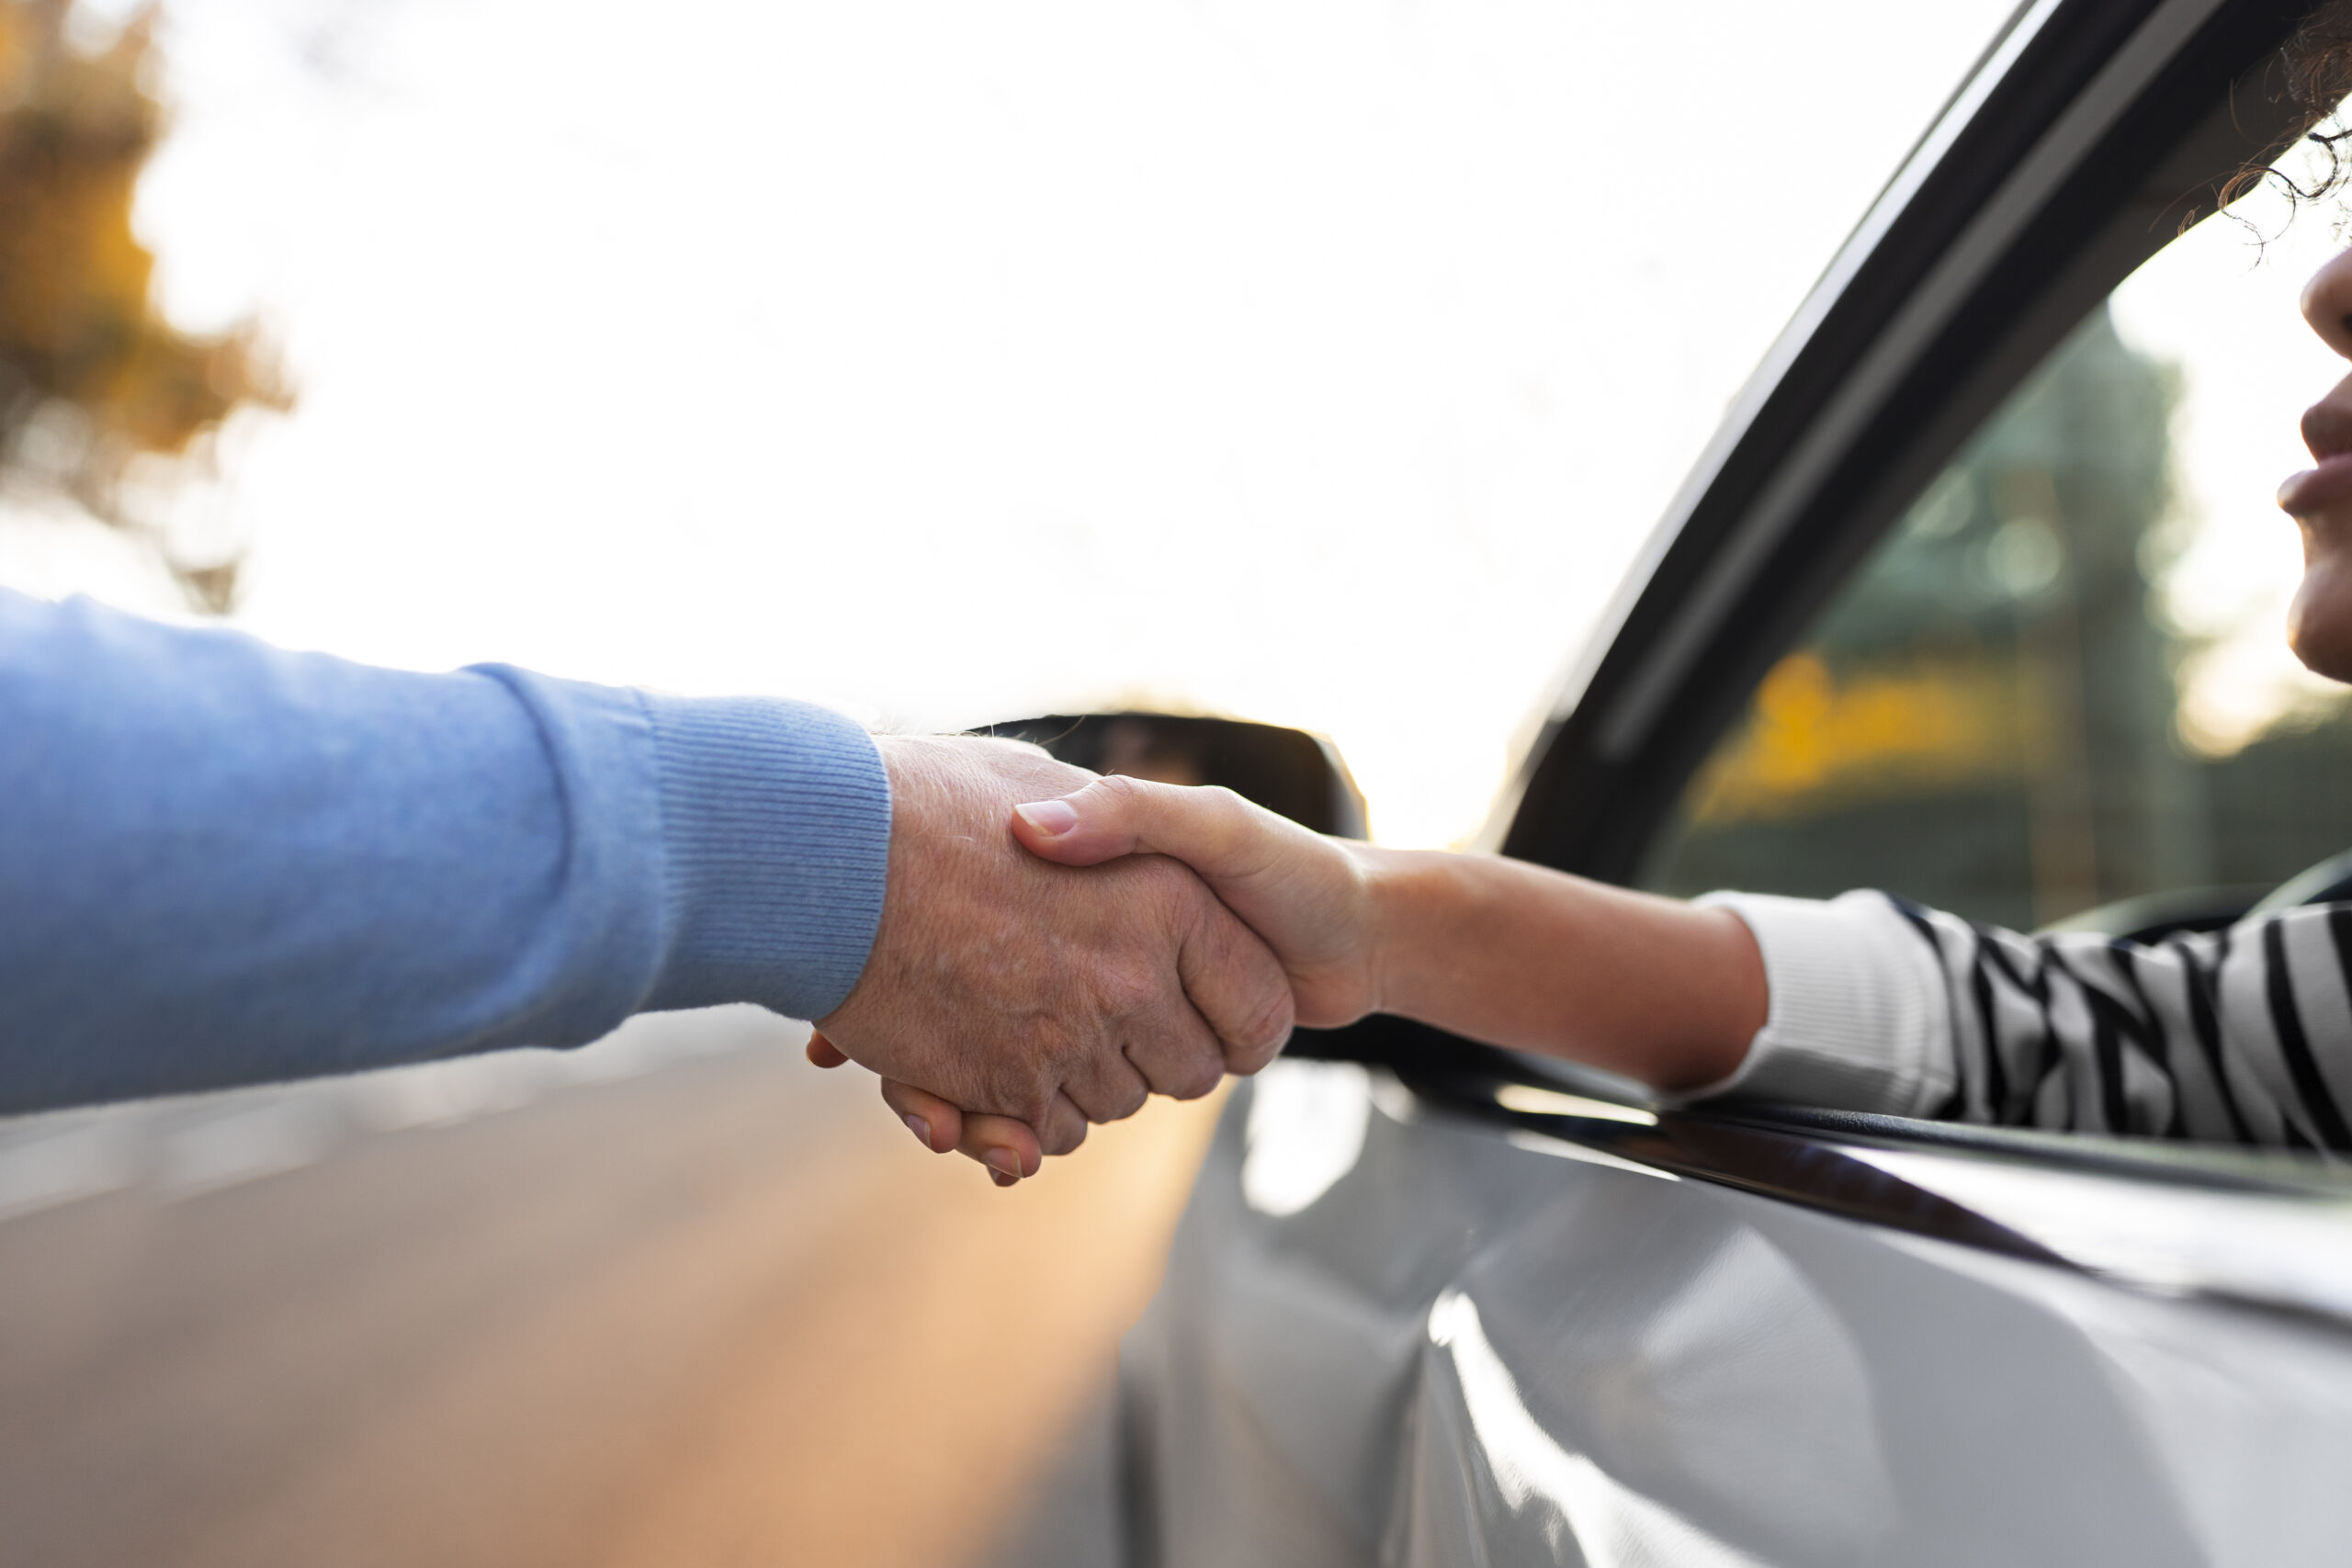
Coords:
1288,772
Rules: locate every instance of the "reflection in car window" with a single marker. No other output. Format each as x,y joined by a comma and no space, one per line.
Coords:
2055,685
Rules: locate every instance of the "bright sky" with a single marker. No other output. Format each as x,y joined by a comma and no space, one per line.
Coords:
1315,363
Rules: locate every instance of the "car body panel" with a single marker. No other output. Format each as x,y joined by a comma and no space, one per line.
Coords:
1415,1317
1390,1335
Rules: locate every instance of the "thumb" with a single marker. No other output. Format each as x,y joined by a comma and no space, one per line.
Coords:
1213,831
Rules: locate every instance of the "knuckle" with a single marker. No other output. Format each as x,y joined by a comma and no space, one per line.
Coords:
1197,1078
1259,1060
1183,1063
1129,990
1120,789
1016,1089
1176,896
1131,1096
1264,1031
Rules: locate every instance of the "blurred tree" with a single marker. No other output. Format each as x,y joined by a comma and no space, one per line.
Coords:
92,377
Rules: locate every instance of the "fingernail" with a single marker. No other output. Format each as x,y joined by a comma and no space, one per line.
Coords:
921,1129
1006,1164
1001,1179
1051,817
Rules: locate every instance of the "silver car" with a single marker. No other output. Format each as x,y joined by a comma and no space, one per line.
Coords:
1434,1303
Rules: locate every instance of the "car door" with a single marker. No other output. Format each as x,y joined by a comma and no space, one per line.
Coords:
1438,1303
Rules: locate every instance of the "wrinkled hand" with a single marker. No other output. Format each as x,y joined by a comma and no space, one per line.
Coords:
1042,994
1307,896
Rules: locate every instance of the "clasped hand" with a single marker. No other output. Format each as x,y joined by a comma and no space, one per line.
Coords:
1151,938
1034,996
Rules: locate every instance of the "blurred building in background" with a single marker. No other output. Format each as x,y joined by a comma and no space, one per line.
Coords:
1986,718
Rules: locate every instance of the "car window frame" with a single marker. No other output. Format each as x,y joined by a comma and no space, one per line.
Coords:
2090,135
2102,131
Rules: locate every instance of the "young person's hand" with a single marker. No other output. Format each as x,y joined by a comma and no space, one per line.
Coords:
1309,897
1491,949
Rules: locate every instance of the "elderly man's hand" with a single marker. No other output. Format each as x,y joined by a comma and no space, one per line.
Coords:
1053,995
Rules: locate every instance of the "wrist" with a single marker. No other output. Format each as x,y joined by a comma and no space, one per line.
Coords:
930,787
1405,893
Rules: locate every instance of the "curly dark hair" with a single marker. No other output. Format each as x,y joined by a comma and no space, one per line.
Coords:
2316,68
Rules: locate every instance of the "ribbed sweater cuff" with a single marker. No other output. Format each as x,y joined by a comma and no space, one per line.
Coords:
1858,1019
776,820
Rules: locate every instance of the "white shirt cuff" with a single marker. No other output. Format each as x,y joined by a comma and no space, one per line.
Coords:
1858,1018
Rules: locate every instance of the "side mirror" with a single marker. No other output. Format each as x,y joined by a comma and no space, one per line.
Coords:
1289,772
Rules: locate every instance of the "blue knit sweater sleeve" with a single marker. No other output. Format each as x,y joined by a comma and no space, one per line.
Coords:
223,864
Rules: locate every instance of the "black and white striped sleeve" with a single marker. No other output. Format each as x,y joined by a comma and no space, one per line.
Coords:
2239,1037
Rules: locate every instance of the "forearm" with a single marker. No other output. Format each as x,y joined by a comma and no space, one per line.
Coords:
221,863
1514,954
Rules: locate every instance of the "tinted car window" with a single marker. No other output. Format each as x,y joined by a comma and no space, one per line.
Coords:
2011,710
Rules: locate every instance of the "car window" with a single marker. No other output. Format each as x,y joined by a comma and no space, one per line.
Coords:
2060,682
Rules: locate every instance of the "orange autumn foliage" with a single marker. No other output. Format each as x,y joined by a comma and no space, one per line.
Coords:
92,377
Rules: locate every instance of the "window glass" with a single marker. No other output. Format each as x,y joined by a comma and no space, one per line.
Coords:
2062,681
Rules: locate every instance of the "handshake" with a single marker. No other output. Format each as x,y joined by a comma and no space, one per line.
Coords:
1054,947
